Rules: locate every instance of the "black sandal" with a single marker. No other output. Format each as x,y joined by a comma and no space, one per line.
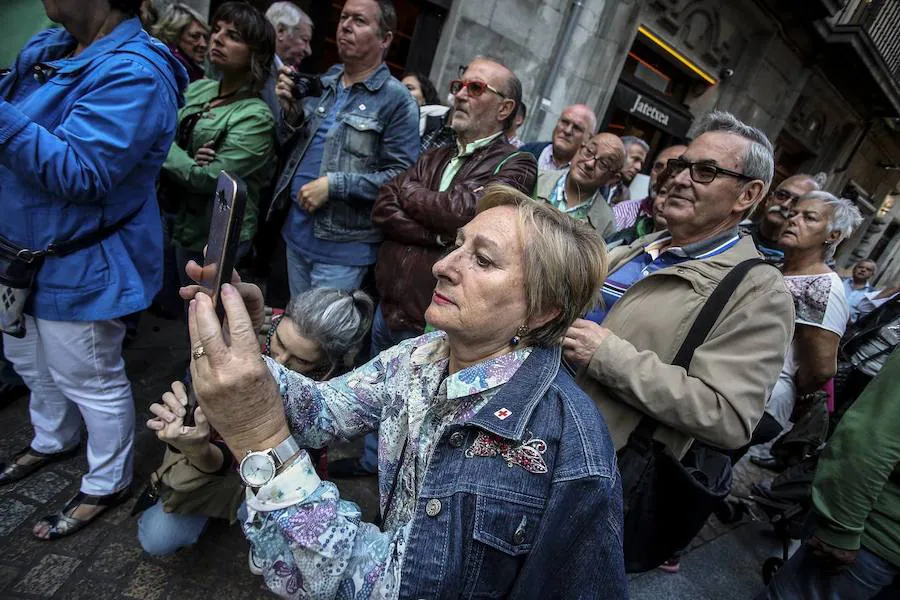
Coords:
63,523
13,471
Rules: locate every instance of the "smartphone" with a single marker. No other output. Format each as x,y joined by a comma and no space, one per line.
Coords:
191,405
228,207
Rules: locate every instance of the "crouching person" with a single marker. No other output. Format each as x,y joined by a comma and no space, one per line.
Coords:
319,336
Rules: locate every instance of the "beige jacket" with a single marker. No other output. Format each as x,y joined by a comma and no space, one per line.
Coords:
722,396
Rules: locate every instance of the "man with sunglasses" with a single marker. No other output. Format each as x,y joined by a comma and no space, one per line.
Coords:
576,125
578,190
420,211
657,286
774,213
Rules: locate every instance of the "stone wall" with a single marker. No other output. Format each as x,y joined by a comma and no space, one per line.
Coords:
526,34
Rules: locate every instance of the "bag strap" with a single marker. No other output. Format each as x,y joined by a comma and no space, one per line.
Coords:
89,239
703,324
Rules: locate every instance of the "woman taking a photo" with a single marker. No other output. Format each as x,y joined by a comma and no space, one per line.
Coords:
224,125
497,475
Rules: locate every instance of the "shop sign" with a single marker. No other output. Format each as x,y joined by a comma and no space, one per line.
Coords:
641,106
649,109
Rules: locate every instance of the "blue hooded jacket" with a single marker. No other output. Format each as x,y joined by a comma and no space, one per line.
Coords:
81,147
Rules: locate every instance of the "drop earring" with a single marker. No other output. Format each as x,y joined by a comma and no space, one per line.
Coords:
522,330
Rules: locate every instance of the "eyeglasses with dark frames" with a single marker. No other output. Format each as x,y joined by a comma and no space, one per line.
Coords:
590,154
701,172
474,87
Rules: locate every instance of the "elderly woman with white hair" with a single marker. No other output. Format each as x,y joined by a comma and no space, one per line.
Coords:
497,474
819,222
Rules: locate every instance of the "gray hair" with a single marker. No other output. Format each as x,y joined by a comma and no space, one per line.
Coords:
759,161
630,140
387,16
289,16
845,216
174,20
334,319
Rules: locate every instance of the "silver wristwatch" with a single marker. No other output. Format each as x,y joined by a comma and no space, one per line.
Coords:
259,468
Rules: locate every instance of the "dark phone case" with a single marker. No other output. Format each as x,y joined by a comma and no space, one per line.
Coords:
229,203
191,405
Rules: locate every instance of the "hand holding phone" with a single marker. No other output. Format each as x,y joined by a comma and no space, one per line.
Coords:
228,207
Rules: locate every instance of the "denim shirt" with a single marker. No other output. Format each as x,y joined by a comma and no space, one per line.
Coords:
375,138
497,481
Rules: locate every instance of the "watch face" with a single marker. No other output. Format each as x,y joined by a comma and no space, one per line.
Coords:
257,469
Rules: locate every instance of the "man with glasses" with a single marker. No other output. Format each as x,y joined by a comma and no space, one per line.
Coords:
344,143
774,213
636,151
421,211
576,125
628,212
656,288
578,190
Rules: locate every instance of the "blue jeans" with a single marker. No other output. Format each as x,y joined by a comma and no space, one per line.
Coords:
383,337
304,274
161,533
802,578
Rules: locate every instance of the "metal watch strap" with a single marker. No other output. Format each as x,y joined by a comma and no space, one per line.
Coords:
284,451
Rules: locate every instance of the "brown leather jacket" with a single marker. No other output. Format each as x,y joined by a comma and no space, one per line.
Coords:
412,214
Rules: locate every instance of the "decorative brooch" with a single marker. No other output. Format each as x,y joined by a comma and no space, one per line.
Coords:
527,454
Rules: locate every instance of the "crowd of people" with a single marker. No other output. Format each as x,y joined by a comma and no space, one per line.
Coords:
527,350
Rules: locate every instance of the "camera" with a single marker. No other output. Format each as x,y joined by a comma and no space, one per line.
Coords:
306,85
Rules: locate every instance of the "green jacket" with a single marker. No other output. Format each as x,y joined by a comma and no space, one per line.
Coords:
27,17
246,150
857,486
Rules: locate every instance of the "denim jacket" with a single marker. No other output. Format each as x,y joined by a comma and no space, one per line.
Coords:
375,138
518,494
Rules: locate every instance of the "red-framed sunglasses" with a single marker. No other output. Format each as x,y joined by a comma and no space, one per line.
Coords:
474,87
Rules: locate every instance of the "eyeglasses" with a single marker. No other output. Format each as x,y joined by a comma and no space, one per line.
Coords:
700,172
474,87
590,154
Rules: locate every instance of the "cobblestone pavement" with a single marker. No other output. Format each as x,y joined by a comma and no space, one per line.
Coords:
105,560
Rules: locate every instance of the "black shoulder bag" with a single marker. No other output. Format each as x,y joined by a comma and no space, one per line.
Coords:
667,500
19,267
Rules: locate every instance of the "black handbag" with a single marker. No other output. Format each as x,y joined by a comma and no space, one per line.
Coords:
667,500
19,267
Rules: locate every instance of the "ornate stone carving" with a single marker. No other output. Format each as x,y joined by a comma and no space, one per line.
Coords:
698,27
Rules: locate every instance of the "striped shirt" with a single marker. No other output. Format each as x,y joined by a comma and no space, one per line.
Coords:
656,255
627,212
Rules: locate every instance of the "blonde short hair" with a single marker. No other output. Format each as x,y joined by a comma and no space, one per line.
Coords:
565,262
175,19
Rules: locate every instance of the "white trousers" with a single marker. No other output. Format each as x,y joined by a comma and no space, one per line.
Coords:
75,371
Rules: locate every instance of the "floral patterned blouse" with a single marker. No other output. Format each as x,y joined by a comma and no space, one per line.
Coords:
312,544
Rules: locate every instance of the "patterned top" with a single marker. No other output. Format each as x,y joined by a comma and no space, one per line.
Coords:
312,544
819,301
